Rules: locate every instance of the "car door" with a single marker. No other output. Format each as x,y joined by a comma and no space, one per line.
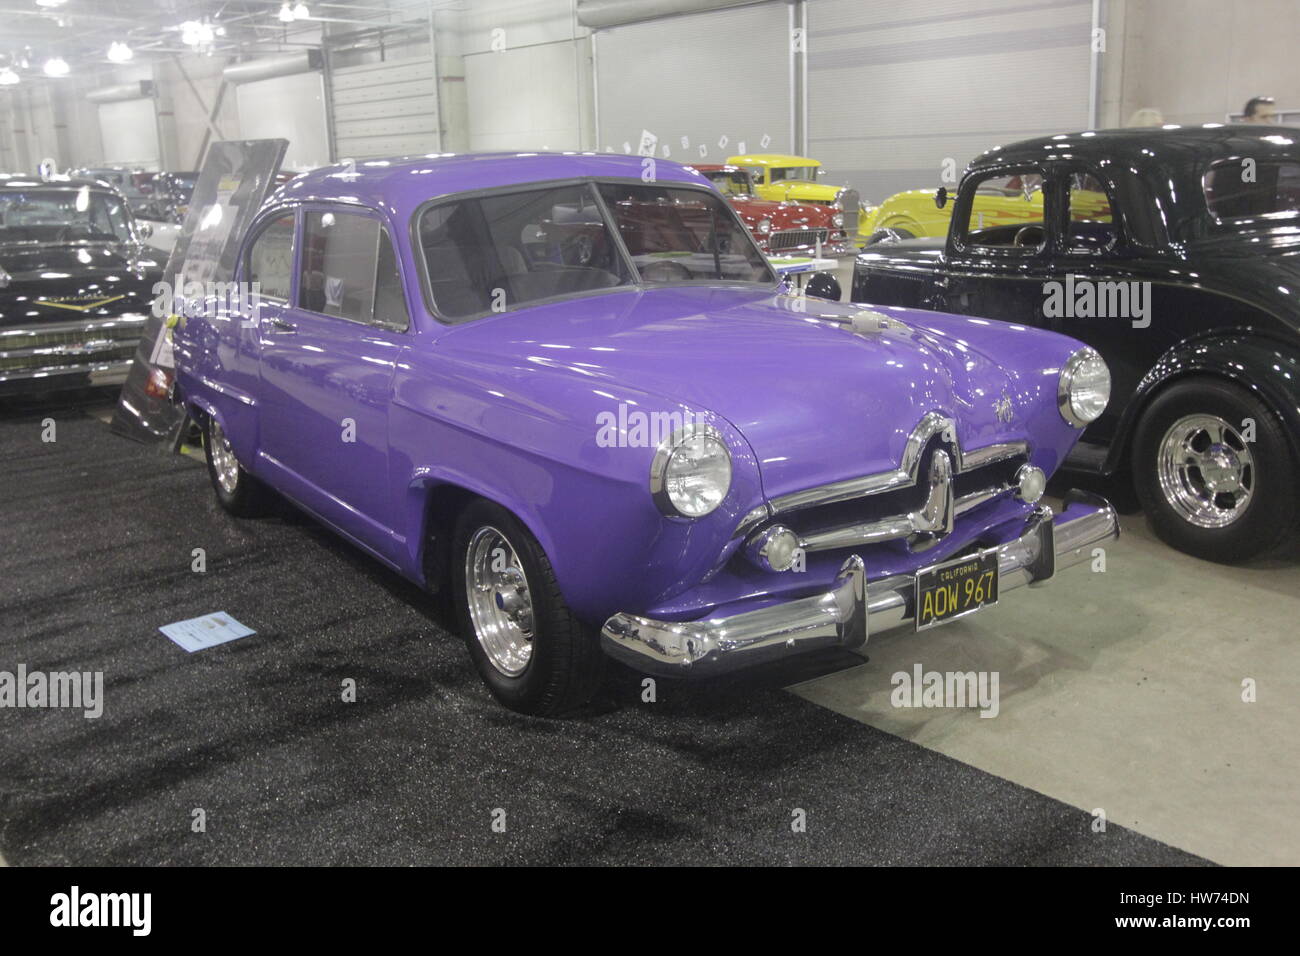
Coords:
1099,289
999,248
327,367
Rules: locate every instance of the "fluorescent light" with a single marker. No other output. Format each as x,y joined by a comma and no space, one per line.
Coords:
286,13
300,11
119,52
56,66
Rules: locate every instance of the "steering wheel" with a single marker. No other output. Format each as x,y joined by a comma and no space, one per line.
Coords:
1028,236
665,270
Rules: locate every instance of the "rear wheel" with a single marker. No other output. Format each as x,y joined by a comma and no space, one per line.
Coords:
1214,471
532,652
238,492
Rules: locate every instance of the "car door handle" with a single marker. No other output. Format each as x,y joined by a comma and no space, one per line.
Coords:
280,325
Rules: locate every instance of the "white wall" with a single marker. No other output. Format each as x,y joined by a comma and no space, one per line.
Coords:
1198,60
527,75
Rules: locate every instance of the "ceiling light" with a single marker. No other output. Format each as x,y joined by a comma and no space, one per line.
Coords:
300,11
50,3
194,33
8,77
56,66
119,52
286,13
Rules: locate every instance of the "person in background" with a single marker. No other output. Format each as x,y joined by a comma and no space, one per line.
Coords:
1260,109
1146,116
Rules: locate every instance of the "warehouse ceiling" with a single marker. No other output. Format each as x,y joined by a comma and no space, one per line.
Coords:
81,31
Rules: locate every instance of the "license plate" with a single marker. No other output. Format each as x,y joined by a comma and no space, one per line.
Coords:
956,588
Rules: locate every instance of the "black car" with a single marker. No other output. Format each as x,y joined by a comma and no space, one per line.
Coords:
76,284
1175,253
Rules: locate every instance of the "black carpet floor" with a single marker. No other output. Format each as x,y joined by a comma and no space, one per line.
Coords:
97,534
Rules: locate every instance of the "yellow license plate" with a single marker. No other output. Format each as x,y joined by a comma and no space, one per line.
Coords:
956,588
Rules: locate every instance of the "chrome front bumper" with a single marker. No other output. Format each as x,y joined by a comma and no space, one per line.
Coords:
853,608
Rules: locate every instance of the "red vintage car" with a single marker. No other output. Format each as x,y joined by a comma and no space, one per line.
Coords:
781,228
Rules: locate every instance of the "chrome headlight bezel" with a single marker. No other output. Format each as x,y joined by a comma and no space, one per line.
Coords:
659,489
1081,362
764,226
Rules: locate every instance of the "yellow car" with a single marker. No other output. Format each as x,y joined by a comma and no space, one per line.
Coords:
914,215
780,178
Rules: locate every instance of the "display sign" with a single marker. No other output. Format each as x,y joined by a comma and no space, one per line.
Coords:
236,178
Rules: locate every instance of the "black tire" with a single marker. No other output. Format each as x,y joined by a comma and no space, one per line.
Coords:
248,498
566,663
1268,514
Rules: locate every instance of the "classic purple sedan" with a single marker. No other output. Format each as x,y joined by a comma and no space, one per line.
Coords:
572,390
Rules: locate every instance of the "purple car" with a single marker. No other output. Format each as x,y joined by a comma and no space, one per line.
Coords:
571,389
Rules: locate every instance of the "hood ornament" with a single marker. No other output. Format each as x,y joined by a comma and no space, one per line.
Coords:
1004,409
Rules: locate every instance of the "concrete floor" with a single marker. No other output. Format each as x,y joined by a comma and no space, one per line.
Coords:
1123,691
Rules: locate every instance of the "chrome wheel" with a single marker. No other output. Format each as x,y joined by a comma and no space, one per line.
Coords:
224,463
1206,470
500,604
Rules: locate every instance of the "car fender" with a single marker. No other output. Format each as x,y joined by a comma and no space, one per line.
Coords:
1266,367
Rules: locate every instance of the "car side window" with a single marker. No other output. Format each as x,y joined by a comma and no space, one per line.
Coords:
1091,226
1235,191
349,270
501,251
270,259
1006,213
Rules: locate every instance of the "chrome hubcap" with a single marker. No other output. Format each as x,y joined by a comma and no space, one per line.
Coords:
223,459
1206,471
500,604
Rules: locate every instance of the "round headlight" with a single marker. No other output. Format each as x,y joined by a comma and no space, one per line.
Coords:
764,226
837,220
691,472
1084,388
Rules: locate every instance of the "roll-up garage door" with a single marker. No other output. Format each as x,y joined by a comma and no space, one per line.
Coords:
385,109
719,81
287,107
897,88
129,132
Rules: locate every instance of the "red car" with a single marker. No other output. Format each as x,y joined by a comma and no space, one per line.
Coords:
781,228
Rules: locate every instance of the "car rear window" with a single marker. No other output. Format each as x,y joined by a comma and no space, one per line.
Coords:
1244,189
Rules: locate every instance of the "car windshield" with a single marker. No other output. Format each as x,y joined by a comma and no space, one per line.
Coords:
804,173
501,251
62,215
677,234
730,182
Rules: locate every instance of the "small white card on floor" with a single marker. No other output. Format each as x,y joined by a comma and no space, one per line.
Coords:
200,633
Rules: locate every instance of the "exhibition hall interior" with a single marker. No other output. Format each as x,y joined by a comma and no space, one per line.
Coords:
649,433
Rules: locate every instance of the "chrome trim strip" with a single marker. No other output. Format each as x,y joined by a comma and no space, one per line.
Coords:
100,373
853,609
82,325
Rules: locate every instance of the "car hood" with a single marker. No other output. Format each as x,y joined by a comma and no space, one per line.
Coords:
62,283
816,400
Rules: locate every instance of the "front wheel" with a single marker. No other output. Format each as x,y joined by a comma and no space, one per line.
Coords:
530,650
1214,471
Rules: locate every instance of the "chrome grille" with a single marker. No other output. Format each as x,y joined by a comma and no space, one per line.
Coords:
71,334
796,239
